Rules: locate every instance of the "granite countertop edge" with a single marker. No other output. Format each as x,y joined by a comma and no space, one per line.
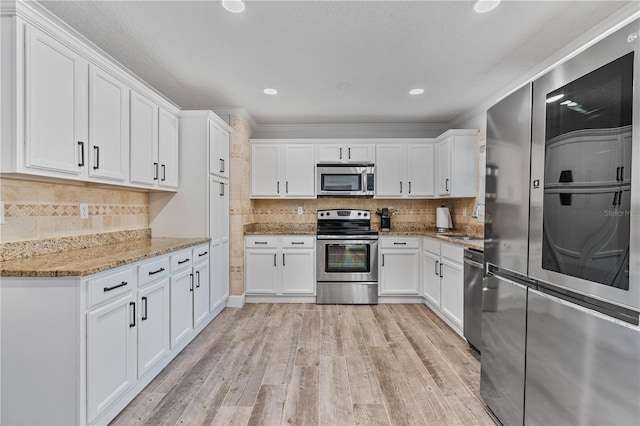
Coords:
92,260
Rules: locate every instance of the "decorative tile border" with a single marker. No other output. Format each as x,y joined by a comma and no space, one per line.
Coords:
60,209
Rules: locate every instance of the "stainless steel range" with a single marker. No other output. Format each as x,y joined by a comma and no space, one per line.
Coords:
347,258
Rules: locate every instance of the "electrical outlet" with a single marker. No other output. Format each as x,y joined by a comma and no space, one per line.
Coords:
1,212
84,211
300,210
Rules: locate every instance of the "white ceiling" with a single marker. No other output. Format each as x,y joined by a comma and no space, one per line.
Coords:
333,61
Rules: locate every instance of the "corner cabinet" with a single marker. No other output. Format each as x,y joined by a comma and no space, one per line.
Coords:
74,114
456,163
280,266
282,170
95,342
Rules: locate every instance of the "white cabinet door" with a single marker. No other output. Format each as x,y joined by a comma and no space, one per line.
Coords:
153,320
55,105
167,149
400,272
261,271
361,153
298,271
111,353
420,173
265,169
218,150
181,306
431,278
453,292
200,293
444,167
330,153
299,167
108,126
390,170
144,140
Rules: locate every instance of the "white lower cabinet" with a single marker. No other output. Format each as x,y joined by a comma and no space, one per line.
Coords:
280,265
399,266
111,353
95,342
443,281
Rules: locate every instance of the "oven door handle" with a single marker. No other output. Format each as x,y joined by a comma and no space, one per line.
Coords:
347,237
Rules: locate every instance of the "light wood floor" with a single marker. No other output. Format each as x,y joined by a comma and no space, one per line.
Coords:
294,364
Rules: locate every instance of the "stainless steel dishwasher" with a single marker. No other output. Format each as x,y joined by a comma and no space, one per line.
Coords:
473,275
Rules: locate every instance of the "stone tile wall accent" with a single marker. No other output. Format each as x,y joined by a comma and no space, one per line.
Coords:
43,210
240,204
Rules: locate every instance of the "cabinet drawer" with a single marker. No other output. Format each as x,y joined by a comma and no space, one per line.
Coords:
200,253
181,260
261,241
110,286
297,242
153,270
453,253
432,246
400,242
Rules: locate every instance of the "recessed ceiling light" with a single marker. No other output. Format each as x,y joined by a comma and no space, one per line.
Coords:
483,6
270,91
555,98
233,6
416,91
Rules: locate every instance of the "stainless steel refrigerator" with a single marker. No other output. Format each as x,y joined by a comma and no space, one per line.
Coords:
561,303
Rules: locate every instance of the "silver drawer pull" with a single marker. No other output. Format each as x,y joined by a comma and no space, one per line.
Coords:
259,242
180,262
204,253
297,243
399,244
122,284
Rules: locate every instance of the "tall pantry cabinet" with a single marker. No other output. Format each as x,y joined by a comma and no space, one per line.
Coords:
201,205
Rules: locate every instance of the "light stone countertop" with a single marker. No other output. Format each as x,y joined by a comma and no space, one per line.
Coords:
400,229
87,261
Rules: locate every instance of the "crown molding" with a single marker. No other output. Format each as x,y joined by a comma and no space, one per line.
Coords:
361,130
611,24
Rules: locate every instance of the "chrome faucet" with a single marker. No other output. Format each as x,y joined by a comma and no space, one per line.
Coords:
474,214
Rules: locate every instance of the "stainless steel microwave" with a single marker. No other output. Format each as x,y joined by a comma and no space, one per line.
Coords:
345,180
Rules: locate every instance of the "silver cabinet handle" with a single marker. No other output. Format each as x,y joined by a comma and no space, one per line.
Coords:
401,187
341,153
349,151
222,165
197,279
441,270
191,288
278,188
164,173
409,187
155,175
286,187
275,259
146,307
383,260
446,185
133,315
437,263
221,189
283,264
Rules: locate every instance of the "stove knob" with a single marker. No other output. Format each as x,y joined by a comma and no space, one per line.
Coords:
321,214
365,215
360,214
328,213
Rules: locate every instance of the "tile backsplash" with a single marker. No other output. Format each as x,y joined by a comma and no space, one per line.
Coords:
41,210
407,211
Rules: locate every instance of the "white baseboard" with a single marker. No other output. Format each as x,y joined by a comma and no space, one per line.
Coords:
280,299
400,299
444,318
236,301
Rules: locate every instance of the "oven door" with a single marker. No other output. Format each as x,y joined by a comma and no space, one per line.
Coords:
347,260
585,172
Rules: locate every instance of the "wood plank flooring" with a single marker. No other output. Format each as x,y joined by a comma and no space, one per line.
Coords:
304,364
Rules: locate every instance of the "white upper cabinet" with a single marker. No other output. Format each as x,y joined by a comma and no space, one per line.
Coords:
55,106
282,170
390,170
154,144
456,154
218,150
167,149
75,114
108,126
404,170
144,140
349,152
